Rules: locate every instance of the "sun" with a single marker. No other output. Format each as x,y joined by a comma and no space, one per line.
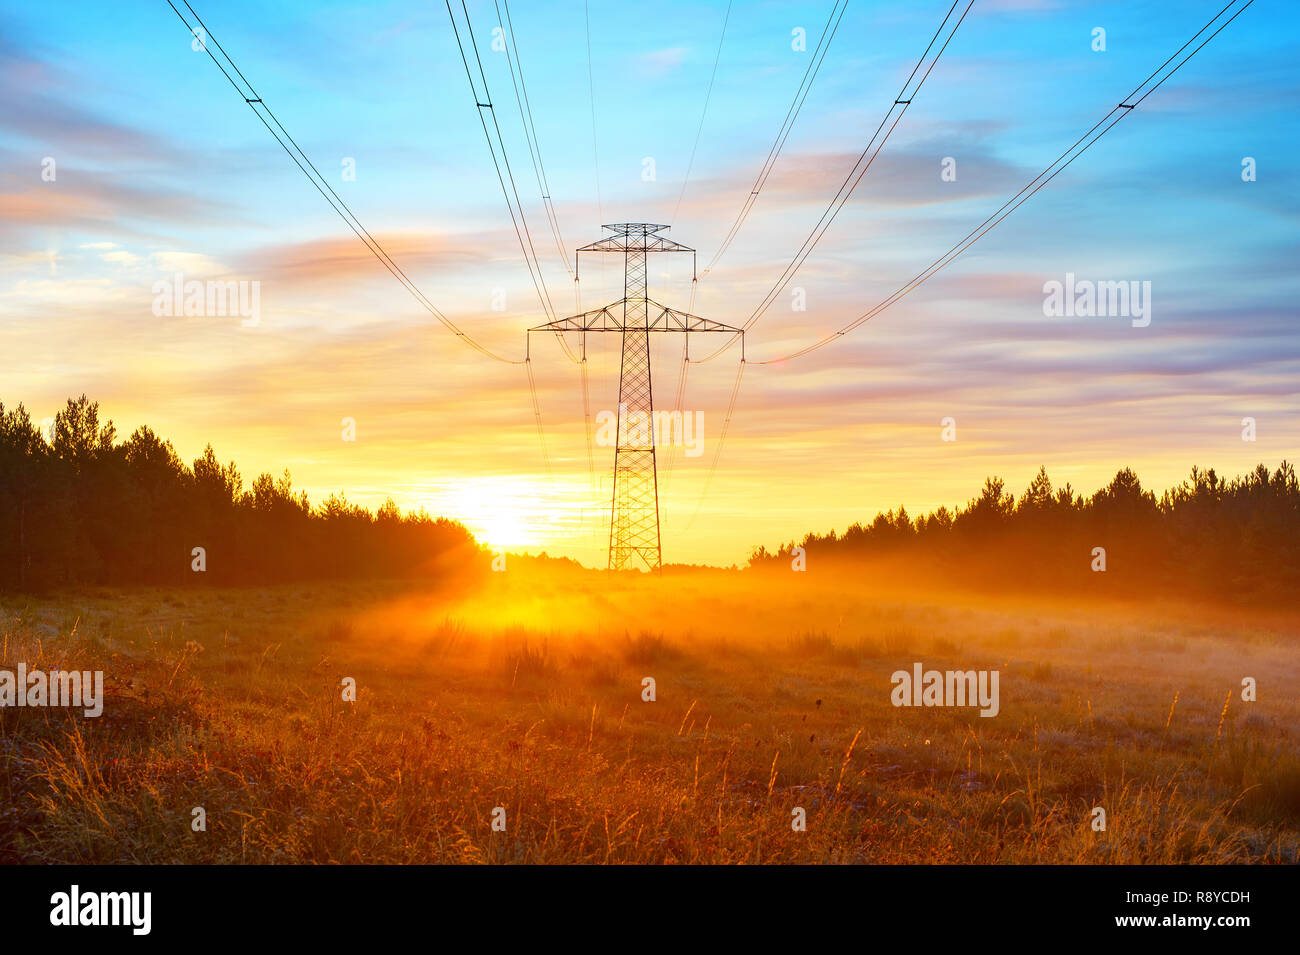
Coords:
502,530
493,513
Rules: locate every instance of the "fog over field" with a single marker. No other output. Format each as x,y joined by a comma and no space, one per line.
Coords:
745,716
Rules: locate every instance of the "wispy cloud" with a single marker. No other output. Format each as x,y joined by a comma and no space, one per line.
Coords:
658,62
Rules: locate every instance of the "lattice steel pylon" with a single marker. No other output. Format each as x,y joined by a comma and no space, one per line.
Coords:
634,507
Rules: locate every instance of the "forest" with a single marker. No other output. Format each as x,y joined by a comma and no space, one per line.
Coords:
79,507
1234,539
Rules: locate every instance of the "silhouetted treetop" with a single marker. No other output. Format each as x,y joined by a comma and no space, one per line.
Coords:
83,508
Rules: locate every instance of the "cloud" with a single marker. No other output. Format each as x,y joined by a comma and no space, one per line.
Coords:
659,62
30,110
343,260
81,199
193,265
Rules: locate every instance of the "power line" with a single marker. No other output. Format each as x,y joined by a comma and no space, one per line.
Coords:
860,167
722,437
586,414
539,167
704,112
792,114
1080,146
864,162
1126,106
537,415
530,133
519,221
322,185
591,90
520,86
340,207
600,217
902,99
678,399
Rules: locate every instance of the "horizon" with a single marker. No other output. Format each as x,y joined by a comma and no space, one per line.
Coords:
490,535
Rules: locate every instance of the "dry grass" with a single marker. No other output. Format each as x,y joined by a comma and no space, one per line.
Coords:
772,694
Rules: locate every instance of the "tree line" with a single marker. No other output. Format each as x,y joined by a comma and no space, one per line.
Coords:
1232,538
83,508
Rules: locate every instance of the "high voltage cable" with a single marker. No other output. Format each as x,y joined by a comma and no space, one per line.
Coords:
726,17
600,215
591,90
792,114
322,185
344,212
586,413
1106,123
520,222
1124,108
810,74
903,99
686,340
516,65
864,163
722,437
530,133
537,416
520,86
678,400
543,185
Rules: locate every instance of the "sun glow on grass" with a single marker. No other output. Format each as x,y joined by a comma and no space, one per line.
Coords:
527,688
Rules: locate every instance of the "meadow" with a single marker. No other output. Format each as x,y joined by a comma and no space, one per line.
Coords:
524,692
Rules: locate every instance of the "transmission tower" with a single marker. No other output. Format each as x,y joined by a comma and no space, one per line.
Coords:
634,507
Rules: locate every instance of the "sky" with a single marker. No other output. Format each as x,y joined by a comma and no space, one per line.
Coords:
126,158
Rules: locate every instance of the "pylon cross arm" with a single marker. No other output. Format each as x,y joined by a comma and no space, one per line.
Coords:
659,318
635,243
635,237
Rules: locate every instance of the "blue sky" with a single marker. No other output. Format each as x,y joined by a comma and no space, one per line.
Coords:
162,168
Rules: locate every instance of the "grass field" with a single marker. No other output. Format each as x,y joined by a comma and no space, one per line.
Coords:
772,692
